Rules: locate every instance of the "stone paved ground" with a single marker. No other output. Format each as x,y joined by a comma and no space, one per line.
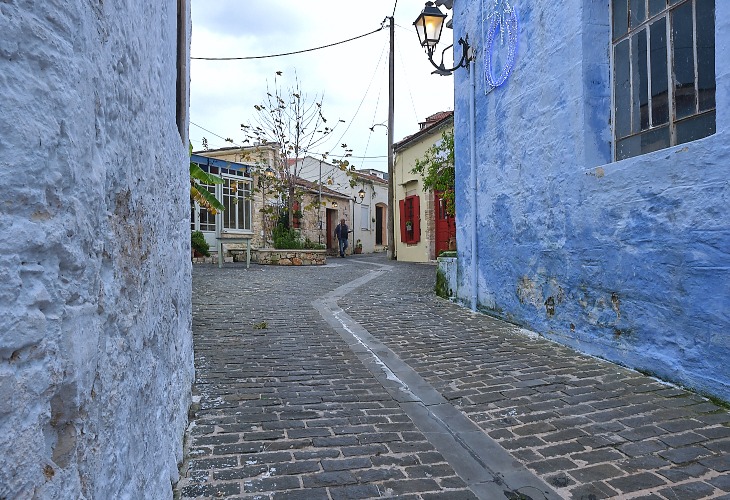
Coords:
288,411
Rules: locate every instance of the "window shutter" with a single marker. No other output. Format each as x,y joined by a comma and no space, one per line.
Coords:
416,219
402,206
296,207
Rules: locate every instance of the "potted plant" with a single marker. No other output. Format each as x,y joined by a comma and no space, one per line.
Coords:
358,247
409,225
198,245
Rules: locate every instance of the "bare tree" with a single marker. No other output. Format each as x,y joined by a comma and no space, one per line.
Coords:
294,125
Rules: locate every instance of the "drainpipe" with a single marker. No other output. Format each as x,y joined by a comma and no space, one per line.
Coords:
473,179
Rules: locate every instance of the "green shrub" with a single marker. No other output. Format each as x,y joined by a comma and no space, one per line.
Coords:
286,239
198,243
442,285
290,239
310,245
283,220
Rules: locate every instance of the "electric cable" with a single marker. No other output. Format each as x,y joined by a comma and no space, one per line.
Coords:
219,136
313,154
363,98
367,144
410,92
286,53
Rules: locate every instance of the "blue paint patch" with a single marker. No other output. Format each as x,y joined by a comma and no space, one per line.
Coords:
629,261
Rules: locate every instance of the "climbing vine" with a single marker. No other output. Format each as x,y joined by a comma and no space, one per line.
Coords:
437,169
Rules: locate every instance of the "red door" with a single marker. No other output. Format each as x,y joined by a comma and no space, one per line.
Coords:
445,227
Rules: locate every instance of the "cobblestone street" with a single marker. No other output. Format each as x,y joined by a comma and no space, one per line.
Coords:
353,380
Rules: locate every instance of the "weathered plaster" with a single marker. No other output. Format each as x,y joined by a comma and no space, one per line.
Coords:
626,260
95,315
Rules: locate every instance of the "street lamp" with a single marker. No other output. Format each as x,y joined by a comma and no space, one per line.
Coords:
429,25
372,129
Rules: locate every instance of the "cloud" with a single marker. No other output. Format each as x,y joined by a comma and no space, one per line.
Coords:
269,20
353,77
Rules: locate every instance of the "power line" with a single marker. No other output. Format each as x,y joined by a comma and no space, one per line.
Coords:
227,139
286,53
238,145
372,79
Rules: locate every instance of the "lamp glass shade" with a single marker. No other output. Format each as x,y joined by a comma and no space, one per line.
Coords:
269,172
361,194
334,204
429,25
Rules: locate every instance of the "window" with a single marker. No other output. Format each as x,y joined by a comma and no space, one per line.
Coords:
237,200
663,73
364,217
297,218
234,193
410,220
200,215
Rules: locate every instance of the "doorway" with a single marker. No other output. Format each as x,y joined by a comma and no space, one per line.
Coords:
379,212
445,227
331,222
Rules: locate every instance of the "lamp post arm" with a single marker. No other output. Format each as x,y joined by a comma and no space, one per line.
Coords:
463,62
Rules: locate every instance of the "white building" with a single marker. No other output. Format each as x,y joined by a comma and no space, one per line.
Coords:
367,215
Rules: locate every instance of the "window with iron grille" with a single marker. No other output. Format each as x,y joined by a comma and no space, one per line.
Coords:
663,73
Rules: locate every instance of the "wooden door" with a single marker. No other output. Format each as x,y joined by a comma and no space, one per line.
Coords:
445,227
331,220
379,225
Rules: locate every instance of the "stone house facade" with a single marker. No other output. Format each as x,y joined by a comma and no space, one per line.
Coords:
419,210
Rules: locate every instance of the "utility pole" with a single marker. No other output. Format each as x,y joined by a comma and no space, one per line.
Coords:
319,205
391,166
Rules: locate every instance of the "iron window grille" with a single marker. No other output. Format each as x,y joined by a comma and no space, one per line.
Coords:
663,59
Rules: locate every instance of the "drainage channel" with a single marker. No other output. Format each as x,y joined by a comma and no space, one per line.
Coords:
488,470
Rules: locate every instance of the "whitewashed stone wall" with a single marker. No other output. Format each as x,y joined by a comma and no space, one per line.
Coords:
95,316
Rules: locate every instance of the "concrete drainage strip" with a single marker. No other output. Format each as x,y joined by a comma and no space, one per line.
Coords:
488,470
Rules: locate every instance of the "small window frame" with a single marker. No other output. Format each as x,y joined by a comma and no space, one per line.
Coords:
648,137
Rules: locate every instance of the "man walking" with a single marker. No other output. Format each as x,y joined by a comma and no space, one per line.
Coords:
341,231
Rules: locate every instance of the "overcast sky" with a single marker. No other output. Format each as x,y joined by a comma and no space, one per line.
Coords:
353,76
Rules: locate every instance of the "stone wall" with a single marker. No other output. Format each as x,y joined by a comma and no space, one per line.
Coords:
626,260
289,257
95,276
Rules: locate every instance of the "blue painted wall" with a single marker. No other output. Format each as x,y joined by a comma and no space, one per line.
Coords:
629,260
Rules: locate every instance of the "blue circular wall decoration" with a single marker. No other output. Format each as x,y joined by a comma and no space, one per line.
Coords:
501,25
